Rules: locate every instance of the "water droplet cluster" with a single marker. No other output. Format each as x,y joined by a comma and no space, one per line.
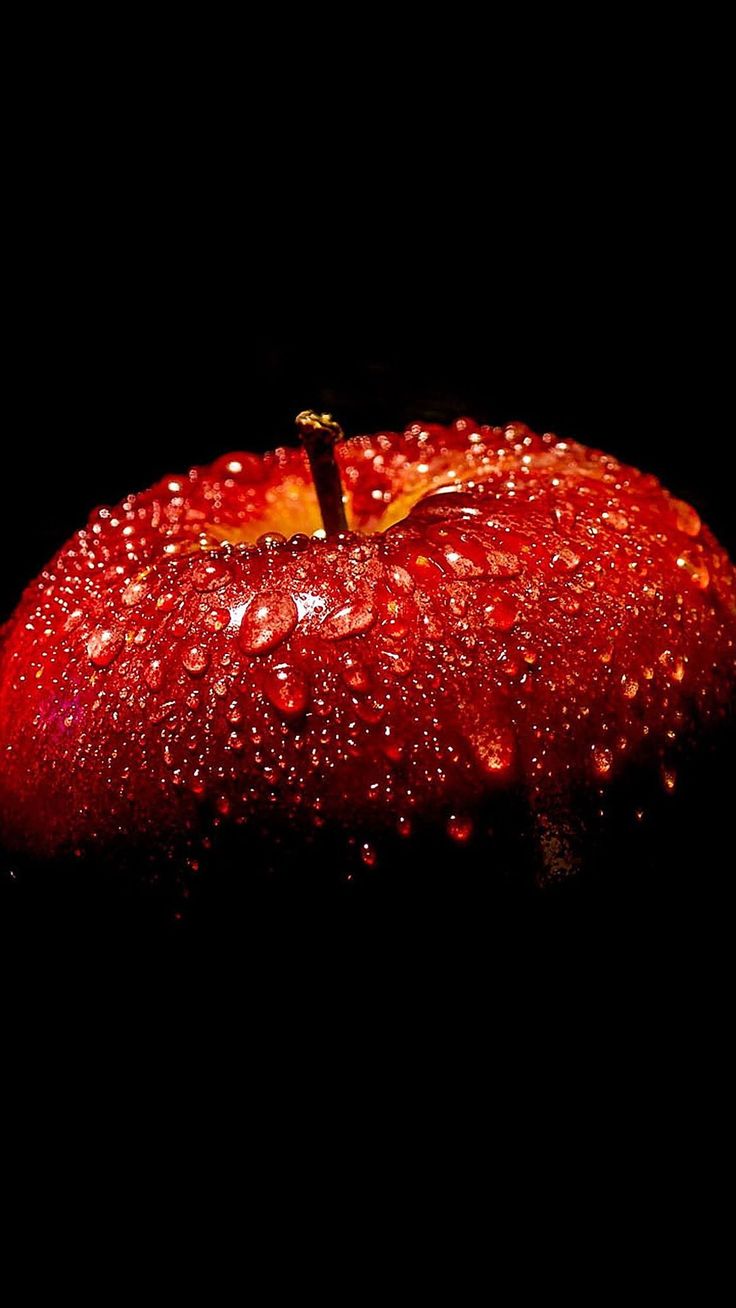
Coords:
507,610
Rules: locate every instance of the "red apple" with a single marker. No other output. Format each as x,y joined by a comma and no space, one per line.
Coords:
505,609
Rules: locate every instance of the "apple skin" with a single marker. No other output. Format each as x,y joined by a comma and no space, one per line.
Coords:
507,610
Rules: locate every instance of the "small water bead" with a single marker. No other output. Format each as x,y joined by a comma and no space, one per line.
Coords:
669,778
565,559
613,518
493,747
135,592
602,760
195,659
350,619
459,828
104,645
404,827
234,712
271,540
287,690
399,580
501,614
354,674
695,570
166,602
673,664
269,619
630,687
216,619
154,674
686,518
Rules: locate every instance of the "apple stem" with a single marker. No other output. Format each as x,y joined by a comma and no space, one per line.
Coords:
318,433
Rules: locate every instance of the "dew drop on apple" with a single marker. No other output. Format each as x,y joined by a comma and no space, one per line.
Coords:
694,569
602,760
211,574
493,747
501,614
103,646
368,854
673,664
669,778
686,519
269,619
354,674
287,690
217,619
565,559
195,659
459,828
350,619
404,826
135,592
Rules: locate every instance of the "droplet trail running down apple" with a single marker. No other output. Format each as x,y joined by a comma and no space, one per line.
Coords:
502,610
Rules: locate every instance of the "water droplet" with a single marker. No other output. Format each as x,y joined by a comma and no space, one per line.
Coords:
268,620
613,518
669,778
694,569
493,747
235,741
370,711
565,559
399,580
234,712
350,619
287,689
222,804
216,619
195,659
135,592
673,665
166,602
392,748
501,614
211,574
154,674
103,646
686,518
630,686
602,760
354,674
270,540
368,854
459,828
403,827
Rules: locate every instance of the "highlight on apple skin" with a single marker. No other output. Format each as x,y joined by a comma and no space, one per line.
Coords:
505,610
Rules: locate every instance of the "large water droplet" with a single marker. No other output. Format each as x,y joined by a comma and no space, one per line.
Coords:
350,619
673,664
268,620
104,645
287,690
